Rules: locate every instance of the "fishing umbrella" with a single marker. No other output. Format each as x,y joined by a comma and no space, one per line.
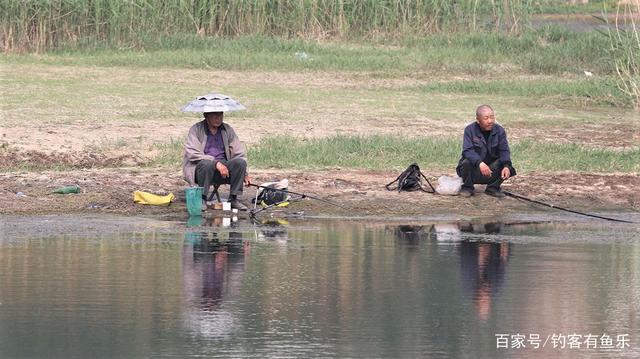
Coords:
213,102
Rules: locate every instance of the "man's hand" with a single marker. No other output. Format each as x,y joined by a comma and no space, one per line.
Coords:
224,171
506,173
485,170
247,180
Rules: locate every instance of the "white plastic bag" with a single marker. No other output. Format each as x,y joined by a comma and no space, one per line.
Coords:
449,185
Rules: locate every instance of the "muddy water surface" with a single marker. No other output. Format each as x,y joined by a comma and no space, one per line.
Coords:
130,287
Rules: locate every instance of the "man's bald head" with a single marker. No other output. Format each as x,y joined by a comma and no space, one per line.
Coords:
485,117
482,109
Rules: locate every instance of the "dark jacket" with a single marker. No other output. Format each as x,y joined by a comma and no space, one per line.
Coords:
476,149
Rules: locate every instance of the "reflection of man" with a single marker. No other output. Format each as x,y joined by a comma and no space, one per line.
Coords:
482,269
486,158
217,261
210,265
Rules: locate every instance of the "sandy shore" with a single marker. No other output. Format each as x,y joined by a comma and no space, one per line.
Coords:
360,193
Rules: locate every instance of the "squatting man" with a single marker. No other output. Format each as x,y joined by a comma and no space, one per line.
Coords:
486,158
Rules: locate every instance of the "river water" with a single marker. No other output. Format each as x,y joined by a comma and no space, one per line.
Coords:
132,287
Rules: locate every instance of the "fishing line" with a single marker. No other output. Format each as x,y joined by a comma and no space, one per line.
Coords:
514,195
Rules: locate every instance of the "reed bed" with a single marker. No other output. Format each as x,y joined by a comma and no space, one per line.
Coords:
625,50
41,25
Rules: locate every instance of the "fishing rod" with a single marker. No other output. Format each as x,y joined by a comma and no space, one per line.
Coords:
514,195
302,195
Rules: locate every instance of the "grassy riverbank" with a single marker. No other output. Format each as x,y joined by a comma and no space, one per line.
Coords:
106,98
390,152
95,105
377,152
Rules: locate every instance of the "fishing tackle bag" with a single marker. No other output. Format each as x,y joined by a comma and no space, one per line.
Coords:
410,180
268,196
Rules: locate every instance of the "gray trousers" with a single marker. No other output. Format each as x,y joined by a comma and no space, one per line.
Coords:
471,175
207,175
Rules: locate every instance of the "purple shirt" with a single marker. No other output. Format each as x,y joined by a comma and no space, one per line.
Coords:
215,145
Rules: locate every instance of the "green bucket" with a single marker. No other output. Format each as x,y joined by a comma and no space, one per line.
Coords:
194,200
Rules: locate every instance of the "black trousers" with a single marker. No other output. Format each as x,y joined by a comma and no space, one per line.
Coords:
207,175
471,175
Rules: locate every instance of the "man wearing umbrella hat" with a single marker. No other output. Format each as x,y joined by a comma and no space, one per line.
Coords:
213,153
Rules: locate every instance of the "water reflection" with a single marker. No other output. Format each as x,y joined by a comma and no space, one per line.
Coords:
411,234
482,272
340,289
482,227
446,232
456,232
276,230
213,266
482,263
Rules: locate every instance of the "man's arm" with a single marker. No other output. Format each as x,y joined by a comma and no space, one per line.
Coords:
505,156
468,150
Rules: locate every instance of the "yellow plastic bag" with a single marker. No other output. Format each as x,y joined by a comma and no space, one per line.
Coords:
153,199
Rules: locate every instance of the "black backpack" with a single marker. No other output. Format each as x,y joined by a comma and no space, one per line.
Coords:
410,180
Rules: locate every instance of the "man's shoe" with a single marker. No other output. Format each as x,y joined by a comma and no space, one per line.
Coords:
466,193
238,205
493,192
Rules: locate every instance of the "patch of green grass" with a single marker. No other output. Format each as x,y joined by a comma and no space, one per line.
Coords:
551,49
372,152
565,7
395,153
583,91
548,50
488,59
170,153
538,156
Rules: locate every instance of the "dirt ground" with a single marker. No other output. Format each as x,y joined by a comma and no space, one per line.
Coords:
359,193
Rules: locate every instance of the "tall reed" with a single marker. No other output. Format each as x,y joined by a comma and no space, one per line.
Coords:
625,50
41,25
